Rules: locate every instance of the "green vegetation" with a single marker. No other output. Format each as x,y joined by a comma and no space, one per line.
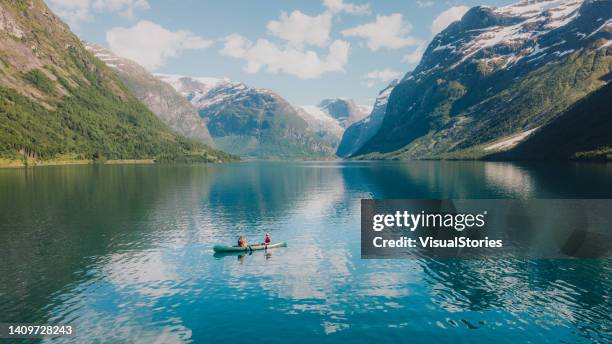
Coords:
262,126
89,125
457,102
602,154
452,121
83,112
39,80
583,132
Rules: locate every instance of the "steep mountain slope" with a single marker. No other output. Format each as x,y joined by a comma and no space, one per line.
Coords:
496,73
584,131
160,97
250,122
57,101
358,133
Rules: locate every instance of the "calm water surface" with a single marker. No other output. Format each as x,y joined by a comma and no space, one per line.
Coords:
125,254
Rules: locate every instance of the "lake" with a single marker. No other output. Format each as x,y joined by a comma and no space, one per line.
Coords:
125,254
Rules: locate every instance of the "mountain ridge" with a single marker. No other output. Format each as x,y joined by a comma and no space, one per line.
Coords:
161,98
251,122
495,73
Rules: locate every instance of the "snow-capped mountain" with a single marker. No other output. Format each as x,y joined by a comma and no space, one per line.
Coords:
358,133
159,97
344,110
196,89
330,118
530,32
497,74
321,122
248,121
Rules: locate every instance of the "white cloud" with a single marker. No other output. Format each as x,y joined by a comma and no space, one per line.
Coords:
74,12
298,28
124,7
424,3
336,6
447,17
291,60
150,45
415,56
382,76
386,32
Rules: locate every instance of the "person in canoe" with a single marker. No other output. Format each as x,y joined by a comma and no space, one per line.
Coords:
242,242
267,240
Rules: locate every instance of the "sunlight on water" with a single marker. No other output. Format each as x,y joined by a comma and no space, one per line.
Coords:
125,254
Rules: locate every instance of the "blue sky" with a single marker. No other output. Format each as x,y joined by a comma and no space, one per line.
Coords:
304,50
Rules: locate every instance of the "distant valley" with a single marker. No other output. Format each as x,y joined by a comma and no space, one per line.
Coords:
258,123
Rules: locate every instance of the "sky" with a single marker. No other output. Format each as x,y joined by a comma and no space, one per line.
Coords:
304,50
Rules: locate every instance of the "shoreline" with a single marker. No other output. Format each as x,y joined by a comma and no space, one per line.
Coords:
6,164
14,164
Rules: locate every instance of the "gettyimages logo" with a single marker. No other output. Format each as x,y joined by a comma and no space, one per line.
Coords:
485,228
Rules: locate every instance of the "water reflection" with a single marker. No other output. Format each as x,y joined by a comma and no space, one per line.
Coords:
129,248
510,178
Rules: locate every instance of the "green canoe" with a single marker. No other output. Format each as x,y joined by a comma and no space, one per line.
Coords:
221,248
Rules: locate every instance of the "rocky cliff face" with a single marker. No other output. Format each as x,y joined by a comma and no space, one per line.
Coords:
161,98
497,73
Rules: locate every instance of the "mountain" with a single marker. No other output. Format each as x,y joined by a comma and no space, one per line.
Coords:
322,124
494,77
358,133
250,122
58,101
581,132
344,110
330,118
161,98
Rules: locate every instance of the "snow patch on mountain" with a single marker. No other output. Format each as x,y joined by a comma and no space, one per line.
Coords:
187,84
606,25
207,92
110,60
320,121
510,34
547,14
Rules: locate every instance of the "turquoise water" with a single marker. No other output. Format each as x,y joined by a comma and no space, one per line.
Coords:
125,254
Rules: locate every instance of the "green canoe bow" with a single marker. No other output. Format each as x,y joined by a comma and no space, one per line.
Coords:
221,248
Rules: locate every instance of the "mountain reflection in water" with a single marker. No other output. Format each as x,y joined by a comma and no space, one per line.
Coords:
129,248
